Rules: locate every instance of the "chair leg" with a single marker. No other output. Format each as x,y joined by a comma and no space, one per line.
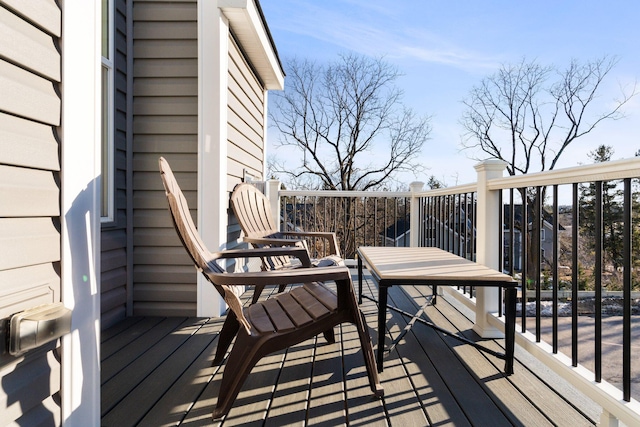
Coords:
367,352
330,336
227,334
257,291
244,356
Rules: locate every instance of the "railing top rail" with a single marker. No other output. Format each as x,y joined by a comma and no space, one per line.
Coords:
606,171
458,189
345,193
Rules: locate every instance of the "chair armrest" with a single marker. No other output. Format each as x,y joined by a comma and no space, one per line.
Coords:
301,253
282,277
272,241
329,236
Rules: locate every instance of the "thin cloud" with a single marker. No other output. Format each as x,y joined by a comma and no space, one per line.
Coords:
380,35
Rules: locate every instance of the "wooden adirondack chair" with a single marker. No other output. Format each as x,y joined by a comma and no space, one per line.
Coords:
274,324
253,212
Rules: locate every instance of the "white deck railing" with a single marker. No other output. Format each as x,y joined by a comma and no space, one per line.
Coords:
485,304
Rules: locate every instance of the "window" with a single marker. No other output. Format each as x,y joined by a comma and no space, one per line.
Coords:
107,144
543,234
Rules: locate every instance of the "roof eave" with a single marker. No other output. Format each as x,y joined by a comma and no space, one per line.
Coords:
251,30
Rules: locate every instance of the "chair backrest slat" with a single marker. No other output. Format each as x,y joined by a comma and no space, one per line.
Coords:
253,210
190,238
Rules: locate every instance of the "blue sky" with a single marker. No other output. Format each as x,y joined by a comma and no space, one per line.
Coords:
445,47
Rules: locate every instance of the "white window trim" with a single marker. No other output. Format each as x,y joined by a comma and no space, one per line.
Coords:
108,64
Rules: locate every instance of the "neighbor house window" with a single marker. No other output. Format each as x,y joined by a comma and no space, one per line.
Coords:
107,108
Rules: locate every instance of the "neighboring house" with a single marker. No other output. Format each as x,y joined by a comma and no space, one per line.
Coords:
435,233
83,216
398,234
546,235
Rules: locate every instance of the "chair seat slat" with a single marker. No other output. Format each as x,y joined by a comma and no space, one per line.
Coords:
278,316
259,319
296,313
311,304
323,294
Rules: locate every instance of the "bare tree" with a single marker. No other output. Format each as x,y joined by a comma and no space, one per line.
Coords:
528,114
347,123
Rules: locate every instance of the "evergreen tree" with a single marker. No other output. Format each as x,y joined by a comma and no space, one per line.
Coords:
612,209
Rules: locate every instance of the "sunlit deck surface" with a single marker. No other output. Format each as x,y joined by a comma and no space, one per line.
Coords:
157,372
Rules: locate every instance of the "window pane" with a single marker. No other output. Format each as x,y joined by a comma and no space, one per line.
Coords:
105,29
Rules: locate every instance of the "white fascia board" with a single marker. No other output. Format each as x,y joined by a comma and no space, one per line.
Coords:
250,30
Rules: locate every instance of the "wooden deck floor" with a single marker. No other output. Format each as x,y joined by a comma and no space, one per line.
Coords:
157,372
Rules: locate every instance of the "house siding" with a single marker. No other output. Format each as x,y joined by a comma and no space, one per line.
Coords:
113,260
165,120
30,106
245,128
165,117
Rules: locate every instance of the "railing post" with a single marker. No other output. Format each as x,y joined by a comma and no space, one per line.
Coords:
272,191
608,420
488,235
415,220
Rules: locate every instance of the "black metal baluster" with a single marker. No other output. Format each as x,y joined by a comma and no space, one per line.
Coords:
512,234
395,221
574,278
467,233
375,220
500,248
556,242
626,331
524,233
598,230
474,223
537,259
406,217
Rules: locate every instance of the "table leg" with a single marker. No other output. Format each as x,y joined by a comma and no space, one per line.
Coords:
510,328
359,280
382,323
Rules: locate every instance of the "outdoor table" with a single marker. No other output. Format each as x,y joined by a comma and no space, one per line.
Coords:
391,266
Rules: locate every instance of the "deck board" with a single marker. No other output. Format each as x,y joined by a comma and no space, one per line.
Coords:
327,396
157,372
483,378
290,400
433,390
476,405
177,400
140,384
522,390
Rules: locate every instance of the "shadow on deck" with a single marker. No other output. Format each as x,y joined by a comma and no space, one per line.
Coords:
157,372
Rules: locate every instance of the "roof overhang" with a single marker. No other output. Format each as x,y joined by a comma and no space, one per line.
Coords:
250,28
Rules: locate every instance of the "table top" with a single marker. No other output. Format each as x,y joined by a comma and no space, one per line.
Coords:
427,264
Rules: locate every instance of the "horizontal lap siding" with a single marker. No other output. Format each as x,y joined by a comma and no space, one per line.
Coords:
113,262
165,108
29,199
245,126
245,130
